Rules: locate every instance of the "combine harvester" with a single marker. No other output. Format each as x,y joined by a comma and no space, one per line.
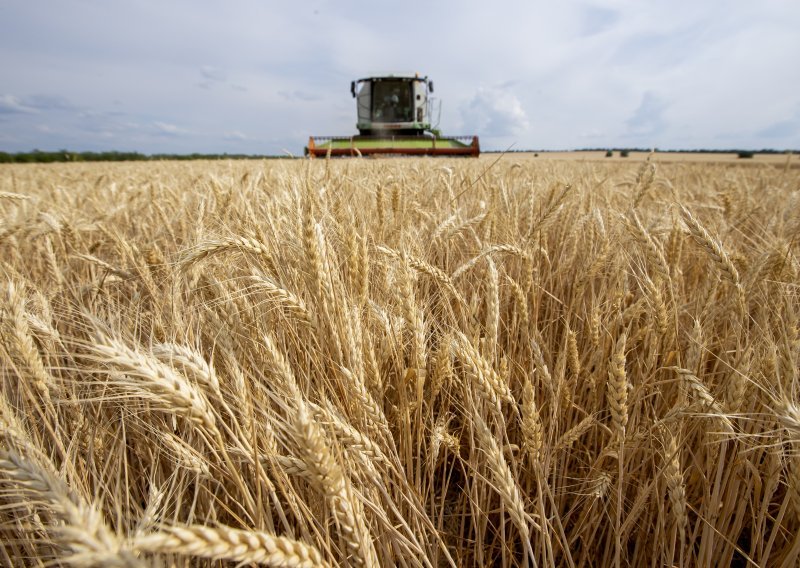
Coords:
393,119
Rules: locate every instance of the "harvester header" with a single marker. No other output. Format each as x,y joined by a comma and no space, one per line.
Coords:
394,117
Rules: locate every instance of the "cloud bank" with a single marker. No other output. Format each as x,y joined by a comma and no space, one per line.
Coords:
201,77
495,113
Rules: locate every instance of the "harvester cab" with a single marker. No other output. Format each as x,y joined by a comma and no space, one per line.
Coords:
394,117
392,105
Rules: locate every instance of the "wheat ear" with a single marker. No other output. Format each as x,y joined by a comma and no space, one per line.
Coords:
163,385
17,335
328,475
488,383
504,248
654,254
699,389
617,393
675,484
367,405
292,304
189,360
531,424
80,529
214,247
13,196
437,274
573,434
504,482
225,543
716,252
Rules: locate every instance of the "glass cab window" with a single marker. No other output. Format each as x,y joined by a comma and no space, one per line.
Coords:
392,101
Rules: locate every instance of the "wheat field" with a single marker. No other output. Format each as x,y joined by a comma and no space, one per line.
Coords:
413,362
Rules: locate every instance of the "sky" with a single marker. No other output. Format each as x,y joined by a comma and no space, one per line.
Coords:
260,77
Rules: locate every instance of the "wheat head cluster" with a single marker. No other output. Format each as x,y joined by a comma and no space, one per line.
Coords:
414,362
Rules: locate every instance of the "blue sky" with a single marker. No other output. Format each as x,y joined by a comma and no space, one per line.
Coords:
260,77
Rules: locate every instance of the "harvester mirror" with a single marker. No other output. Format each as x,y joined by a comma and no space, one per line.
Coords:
430,86
353,88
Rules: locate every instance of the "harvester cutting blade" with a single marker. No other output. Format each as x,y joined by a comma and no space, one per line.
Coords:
323,146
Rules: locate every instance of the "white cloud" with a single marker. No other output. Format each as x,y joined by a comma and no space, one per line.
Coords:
298,95
213,73
648,119
495,112
212,76
235,135
167,129
789,127
9,104
49,102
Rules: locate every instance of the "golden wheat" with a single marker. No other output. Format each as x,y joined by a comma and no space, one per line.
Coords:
408,362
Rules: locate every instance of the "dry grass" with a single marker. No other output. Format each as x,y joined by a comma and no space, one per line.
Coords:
400,362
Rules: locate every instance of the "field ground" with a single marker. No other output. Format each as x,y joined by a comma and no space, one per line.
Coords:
527,361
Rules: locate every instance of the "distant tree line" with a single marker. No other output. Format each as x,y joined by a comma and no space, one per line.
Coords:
695,151
739,152
44,157
624,152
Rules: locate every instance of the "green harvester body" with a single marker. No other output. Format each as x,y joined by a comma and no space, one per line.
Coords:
393,119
